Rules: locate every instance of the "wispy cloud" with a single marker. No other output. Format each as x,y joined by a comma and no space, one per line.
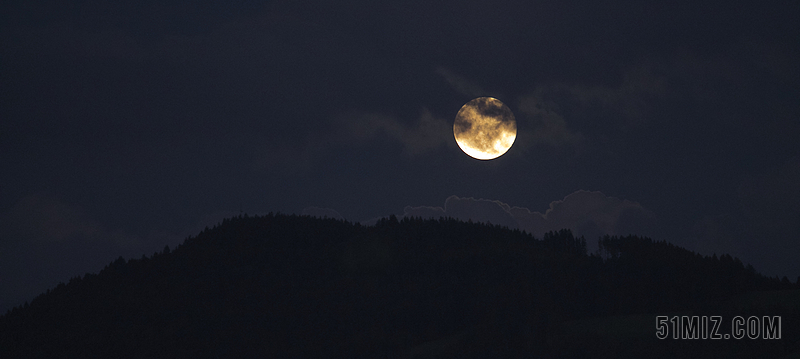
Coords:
554,113
420,135
544,124
460,84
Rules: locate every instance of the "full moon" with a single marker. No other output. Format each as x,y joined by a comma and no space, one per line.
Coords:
485,128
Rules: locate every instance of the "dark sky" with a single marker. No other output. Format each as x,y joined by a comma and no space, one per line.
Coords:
128,126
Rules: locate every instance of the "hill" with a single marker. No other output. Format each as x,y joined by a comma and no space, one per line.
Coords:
294,286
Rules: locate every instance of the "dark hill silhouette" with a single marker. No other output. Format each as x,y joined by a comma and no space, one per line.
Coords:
293,286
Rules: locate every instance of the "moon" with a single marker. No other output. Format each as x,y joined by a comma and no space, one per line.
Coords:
485,128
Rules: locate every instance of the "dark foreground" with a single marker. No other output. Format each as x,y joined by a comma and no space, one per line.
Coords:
286,286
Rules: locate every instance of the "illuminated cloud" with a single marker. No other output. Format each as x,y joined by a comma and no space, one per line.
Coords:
589,213
467,209
586,213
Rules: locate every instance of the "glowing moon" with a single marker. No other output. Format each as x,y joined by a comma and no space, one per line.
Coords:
485,128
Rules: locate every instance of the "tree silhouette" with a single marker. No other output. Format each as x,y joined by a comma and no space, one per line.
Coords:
295,286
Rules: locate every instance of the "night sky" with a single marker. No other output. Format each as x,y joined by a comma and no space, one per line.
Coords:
128,126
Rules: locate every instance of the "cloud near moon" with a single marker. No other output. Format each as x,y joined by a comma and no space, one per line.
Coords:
586,213
485,128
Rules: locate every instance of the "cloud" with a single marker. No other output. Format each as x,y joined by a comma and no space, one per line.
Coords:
586,213
545,125
417,136
466,208
555,113
591,214
424,134
460,84
639,86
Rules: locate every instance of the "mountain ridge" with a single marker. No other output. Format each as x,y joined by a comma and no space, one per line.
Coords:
296,286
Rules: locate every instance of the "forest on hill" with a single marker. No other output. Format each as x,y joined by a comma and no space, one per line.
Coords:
288,286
